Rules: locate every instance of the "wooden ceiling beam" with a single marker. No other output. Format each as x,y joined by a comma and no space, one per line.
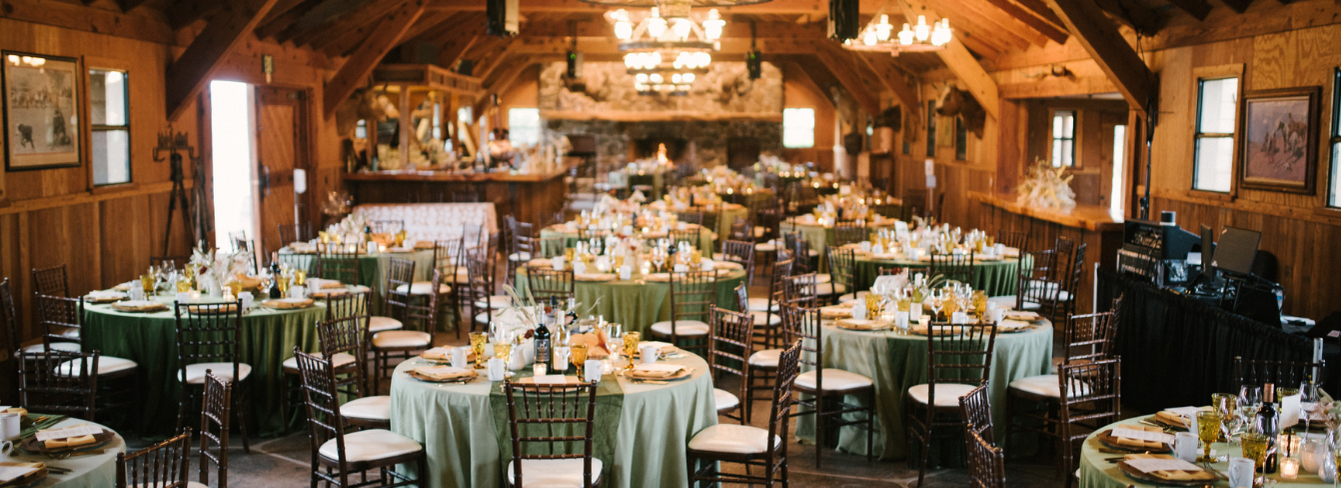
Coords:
1197,8
884,69
1043,26
845,71
329,11
491,56
960,61
86,19
1131,14
516,65
431,21
1017,33
1239,6
1041,9
1108,48
184,12
976,44
285,13
362,20
778,7
127,5
227,30
463,25
354,73
971,25
450,53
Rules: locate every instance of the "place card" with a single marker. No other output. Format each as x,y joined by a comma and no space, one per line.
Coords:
79,431
1289,410
9,472
1142,435
550,379
1151,465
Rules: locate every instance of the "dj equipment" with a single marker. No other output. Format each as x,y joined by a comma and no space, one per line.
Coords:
1156,251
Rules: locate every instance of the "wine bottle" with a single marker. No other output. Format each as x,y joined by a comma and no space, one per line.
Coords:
542,340
274,276
1268,419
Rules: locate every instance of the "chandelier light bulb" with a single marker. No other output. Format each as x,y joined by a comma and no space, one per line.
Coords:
682,28
883,29
702,59
656,26
656,78
869,39
712,28
675,78
688,77
906,35
923,30
640,77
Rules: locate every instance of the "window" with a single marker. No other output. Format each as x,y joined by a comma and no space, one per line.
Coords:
1063,138
907,148
232,130
524,126
798,128
931,128
111,129
1213,157
961,140
1334,196
1119,167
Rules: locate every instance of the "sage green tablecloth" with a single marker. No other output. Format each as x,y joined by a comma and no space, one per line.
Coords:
705,241
457,424
268,337
372,267
90,471
819,236
637,304
1095,472
897,362
998,278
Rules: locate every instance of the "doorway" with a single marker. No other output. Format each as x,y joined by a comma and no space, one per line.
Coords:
282,162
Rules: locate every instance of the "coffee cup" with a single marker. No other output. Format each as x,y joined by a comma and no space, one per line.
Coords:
1185,446
651,354
497,368
460,356
593,369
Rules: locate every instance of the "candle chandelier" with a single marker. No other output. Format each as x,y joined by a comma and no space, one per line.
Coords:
665,53
879,35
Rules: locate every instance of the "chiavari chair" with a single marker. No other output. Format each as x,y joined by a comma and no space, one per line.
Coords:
43,387
977,413
163,465
1016,239
828,388
209,339
418,315
216,408
954,353
848,232
739,252
339,262
541,418
61,320
1091,394
54,281
546,283
695,218
346,338
728,345
987,463
298,232
386,226
955,267
692,296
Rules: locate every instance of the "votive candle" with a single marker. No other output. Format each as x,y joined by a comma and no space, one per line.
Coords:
1289,468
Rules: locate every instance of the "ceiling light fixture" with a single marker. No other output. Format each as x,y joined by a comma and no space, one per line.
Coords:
879,36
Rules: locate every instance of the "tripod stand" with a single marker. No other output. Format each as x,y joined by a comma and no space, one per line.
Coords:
174,144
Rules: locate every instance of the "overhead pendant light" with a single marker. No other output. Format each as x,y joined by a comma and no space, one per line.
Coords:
879,35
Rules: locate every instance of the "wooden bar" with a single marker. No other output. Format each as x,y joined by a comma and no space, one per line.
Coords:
524,196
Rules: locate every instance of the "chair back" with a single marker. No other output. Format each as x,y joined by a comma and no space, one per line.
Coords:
957,267
780,406
1091,394
848,232
480,283
548,247
1016,239
802,290
208,333
162,465
1258,372
802,325
473,237
289,233
522,235
346,335
322,402
693,296
987,463
552,419
800,249
959,354
690,235
777,283
399,281
59,319
1088,337
742,253
447,255
977,412
770,218
386,226
710,221
248,246
416,312
730,344
695,218
47,384
741,230
742,298
339,262
216,407
842,263
51,281
889,271
348,305
8,318
1038,284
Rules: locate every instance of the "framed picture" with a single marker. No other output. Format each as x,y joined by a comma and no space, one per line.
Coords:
41,111
1280,138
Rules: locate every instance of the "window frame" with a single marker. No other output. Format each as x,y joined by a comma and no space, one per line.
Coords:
812,127
103,64
1212,73
1075,135
1333,145
539,127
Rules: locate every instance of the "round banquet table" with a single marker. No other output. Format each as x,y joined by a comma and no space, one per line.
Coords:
726,214
641,429
372,267
1095,472
636,303
91,471
150,339
819,236
896,362
705,241
996,276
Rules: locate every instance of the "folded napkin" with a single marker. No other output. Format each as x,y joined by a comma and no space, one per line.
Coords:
666,347
443,373
331,284
302,247
437,354
23,412
287,303
1177,417
1010,325
552,379
835,311
595,276
658,277
1167,467
1022,316
104,296
540,263
656,370
863,324
595,346
122,287
328,292
18,474
70,436
139,306
1124,441
1011,252
424,245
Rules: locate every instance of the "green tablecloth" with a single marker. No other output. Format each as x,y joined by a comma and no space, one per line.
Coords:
705,241
998,278
268,337
635,303
372,267
91,471
819,236
457,424
1095,472
726,214
897,362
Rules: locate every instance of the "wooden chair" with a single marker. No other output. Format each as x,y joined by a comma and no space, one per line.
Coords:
1037,282
61,319
448,259
800,249
977,413
418,315
889,271
43,387
1091,395
987,464
400,273
688,235
957,267
710,222
290,233
954,353
483,302
9,320
741,230
692,297
728,345
216,408
337,454
52,281
769,338
346,337
542,418
163,465
842,269
827,387
386,226
522,247
1016,239
800,290
339,262
549,247
766,231
739,252
1258,372
351,305
695,218
751,446
848,232
209,338
545,283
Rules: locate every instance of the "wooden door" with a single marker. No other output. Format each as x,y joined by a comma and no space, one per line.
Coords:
281,146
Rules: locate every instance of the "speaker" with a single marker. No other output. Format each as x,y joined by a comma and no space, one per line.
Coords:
755,63
574,65
502,17
844,19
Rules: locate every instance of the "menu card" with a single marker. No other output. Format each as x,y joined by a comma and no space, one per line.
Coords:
1151,465
82,430
13,471
1142,435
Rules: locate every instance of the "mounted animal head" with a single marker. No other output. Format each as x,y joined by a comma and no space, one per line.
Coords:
953,101
362,105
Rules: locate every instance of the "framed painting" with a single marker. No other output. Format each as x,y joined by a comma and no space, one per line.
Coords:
41,111
1279,146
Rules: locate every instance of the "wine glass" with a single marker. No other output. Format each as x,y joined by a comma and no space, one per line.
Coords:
1255,448
631,340
935,300
579,357
1208,430
1250,399
477,340
1227,406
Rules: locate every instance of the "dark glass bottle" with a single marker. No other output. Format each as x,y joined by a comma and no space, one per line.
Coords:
542,340
274,276
1268,419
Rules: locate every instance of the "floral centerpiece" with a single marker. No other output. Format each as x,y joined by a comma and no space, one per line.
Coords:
1047,187
214,268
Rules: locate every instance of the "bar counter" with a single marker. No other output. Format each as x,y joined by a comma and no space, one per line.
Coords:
525,196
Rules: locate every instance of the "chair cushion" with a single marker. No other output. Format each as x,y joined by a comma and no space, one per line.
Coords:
496,302
424,288
834,380
947,394
830,288
68,333
378,324
56,346
368,408
370,445
823,278
765,247
761,304
765,318
1009,302
724,399
682,327
1047,385
195,373
732,438
341,359
767,358
520,256
759,232
554,473
483,318
106,365
401,338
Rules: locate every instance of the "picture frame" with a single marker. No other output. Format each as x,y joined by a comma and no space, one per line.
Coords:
42,110
1278,150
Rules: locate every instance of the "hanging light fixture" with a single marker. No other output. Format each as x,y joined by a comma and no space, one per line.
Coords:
879,35
656,30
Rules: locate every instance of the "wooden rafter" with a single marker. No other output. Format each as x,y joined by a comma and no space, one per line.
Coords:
1130,13
184,12
960,61
328,11
883,66
451,52
489,54
845,71
1239,6
972,25
1028,17
285,13
430,22
505,79
127,5
1041,9
461,25
84,19
1109,49
391,26
976,44
1197,8
1003,26
229,28
774,7
360,20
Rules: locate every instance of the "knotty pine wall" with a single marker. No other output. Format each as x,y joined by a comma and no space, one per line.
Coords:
106,235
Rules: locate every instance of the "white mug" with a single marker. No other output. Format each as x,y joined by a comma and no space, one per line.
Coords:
998,315
593,370
459,356
561,355
959,318
866,246
651,354
496,369
877,249
298,291
1185,446
247,299
859,311
626,272
136,292
1000,249
1241,472
901,319
557,263
6,448
184,297
9,426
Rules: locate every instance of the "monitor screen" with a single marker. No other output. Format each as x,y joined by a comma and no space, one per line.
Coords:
1236,250
1207,250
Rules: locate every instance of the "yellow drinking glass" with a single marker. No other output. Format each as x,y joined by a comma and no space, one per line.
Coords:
1208,430
325,237
283,284
1254,447
949,307
502,350
477,341
872,305
631,340
905,304
299,277
696,257
183,286
568,254
236,287
400,238
579,356
619,261
980,302
147,281
1226,404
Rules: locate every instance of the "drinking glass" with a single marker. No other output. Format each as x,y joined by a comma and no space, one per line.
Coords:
502,349
1250,399
283,284
1227,406
147,281
579,357
872,305
477,340
1208,430
631,340
980,302
1255,448
935,300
